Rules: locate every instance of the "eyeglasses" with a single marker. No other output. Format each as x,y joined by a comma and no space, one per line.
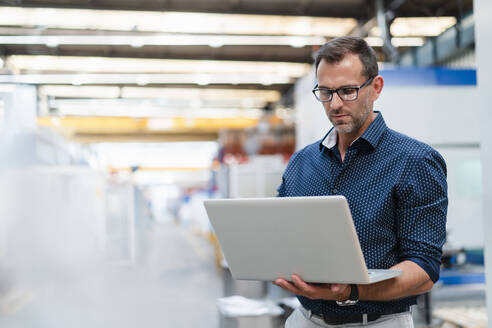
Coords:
345,93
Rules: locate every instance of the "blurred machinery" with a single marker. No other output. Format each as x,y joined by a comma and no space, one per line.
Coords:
251,165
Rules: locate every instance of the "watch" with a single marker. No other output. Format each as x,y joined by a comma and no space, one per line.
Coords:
353,297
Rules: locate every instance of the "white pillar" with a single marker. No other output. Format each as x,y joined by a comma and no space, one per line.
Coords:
483,46
20,103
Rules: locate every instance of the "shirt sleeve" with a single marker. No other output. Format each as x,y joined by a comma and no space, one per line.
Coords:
421,212
281,189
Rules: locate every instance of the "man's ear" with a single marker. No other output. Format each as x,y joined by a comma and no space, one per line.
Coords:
377,86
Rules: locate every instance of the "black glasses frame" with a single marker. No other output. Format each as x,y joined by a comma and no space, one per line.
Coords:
332,91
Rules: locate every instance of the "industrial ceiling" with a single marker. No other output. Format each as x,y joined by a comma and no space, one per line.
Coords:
96,49
362,11
359,9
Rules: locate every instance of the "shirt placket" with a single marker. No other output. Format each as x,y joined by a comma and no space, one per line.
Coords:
342,166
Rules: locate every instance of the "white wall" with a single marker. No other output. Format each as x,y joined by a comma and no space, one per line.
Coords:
464,222
446,117
483,36
20,102
432,114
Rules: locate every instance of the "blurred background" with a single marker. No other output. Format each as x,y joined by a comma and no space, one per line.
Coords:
118,118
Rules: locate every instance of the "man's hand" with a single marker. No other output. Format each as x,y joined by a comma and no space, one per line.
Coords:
332,292
413,281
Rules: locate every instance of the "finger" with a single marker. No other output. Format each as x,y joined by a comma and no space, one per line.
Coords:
309,290
288,286
279,281
301,284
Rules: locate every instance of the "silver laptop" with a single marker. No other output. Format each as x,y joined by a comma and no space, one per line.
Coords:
267,238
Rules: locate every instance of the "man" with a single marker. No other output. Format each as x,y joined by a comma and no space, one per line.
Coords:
395,186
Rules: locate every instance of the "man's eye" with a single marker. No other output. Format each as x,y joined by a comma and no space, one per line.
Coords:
348,91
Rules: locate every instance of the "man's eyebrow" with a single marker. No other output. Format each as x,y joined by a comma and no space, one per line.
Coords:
343,86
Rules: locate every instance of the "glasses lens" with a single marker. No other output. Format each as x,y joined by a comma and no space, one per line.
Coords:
348,93
324,94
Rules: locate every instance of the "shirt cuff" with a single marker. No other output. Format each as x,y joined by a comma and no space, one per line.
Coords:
430,266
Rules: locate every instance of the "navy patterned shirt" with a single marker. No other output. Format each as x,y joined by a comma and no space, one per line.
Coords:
397,192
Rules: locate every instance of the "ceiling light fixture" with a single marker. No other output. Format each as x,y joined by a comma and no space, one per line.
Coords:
138,41
67,91
28,63
165,93
102,79
408,42
175,22
128,108
421,26
397,42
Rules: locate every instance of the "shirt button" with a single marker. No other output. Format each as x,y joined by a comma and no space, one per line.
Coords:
334,191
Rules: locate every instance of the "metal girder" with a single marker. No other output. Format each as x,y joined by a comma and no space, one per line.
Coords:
364,28
389,50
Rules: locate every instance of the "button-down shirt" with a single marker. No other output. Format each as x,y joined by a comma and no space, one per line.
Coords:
397,192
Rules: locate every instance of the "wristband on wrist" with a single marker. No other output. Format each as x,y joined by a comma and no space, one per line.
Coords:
353,297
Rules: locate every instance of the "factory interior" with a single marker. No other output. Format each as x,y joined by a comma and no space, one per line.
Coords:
119,118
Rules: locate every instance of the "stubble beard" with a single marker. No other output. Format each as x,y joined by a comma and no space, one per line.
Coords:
357,120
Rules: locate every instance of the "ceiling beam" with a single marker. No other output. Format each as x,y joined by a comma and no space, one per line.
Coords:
383,23
86,138
363,29
338,8
241,53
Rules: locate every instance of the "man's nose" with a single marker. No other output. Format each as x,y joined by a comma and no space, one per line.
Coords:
336,102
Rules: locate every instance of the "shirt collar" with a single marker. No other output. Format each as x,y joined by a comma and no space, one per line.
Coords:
372,134
330,140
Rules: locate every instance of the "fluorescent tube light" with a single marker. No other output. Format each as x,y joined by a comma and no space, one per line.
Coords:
241,97
374,41
175,22
87,79
68,91
143,109
397,42
138,41
407,42
421,26
205,94
140,65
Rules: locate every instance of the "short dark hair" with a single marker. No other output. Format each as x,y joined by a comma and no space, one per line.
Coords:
335,51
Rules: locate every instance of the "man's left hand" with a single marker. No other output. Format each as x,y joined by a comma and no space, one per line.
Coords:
332,292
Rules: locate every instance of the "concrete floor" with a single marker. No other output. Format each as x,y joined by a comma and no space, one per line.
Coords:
175,284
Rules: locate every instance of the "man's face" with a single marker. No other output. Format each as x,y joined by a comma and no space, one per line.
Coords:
346,116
